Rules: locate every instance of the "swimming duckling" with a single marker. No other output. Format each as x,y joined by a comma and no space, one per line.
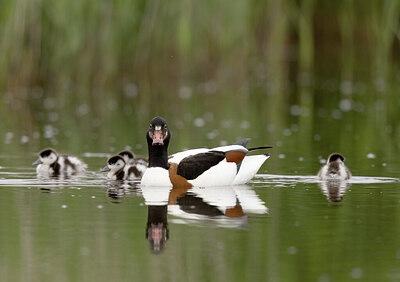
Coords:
118,169
334,169
137,165
51,163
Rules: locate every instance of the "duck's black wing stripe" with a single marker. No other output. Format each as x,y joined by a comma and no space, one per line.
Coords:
192,204
191,167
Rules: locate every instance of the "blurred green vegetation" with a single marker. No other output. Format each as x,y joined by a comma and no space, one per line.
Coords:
89,75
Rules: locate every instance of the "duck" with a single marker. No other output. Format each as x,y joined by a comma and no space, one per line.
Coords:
220,166
119,169
334,169
54,164
130,159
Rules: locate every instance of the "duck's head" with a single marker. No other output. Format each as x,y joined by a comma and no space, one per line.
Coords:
114,164
47,156
335,157
158,133
127,155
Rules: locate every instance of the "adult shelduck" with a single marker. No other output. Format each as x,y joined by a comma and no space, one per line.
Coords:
334,169
226,165
52,164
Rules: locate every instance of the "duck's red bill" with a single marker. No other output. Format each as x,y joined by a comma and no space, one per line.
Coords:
158,138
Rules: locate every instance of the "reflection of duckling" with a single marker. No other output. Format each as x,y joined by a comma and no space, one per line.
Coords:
118,169
50,163
334,190
334,169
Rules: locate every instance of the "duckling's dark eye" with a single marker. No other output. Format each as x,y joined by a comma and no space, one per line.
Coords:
165,126
151,125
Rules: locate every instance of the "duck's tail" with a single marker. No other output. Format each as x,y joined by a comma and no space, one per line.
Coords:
249,167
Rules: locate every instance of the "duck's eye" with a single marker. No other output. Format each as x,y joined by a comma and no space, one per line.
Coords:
165,126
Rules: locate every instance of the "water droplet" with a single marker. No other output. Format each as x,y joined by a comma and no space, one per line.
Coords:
245,124
93,197
24,139
49,103
64,206
295,110
346,87
292,250
53,117
287,132
323,278
281,156
199,122
345,105
84,251
356,273
9,136
131,90
371,156
185,92
82,110
99,206
301,159
336,114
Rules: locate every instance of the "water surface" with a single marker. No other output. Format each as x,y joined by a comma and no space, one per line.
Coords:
276,228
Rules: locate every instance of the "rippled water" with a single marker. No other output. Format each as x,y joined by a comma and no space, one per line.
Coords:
276,228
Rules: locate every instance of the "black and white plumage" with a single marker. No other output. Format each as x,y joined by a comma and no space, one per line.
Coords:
118,169
225,165
52,164
334,169
139,164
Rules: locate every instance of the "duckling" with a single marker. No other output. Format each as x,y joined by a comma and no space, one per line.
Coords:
137,166
51,163
334,169
115,168
118,169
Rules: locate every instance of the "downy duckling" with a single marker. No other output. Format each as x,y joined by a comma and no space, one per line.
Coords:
51,163
118,169
334,169
137,165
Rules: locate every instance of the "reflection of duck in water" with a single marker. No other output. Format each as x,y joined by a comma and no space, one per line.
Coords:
334,169
157,232
52,164
334,190
218,203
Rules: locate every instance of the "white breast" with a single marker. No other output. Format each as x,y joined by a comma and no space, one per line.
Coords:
156,176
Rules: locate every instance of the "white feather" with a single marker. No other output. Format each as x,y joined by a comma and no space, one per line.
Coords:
156,176
248,168
219,175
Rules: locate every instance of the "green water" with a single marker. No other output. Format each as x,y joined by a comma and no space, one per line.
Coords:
90,229
306,77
